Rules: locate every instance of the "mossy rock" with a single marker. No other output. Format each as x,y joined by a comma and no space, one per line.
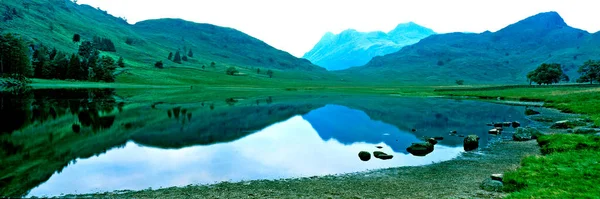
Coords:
420,149
364,156
492,185
526,134
471,142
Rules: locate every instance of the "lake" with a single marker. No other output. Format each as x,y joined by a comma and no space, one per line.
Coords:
81,141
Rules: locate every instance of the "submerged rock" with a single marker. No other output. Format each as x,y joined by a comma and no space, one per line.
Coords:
420,149
492,185
471,142
531,112
364,156
516,124
498,177
526,134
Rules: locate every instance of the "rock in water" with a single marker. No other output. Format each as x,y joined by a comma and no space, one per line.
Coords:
420,149
432,141
531,112
364,156
526,134
494,131
507,124
378,153
492,185
453,132
498,125
471,142
379,147
498,177
385,157
439,138
561,124
516,124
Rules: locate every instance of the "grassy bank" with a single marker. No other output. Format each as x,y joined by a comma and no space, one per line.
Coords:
569,167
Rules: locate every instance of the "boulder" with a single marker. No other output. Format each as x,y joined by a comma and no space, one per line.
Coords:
516,124
438,138
586,130
385,157
471,142
531,112
498,177
500,129
364,156
492,185
432,141
498,124
378,153
567,124
507,124
494,131
420,149
526,134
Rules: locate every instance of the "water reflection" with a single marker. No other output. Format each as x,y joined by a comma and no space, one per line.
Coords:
56,137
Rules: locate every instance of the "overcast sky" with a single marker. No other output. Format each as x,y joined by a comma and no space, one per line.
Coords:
297,25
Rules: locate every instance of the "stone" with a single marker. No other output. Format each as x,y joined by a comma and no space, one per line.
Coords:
364,156
420,149
385,157
438,138
507,124
378,153
498,177
498,125
453,132
379,147
526,134
500,129
414,130
516,124
531,112
586,130
432,141
494,131
471,142
492,185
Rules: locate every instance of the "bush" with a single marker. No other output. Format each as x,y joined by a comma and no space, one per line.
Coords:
231,71
159,64
460,82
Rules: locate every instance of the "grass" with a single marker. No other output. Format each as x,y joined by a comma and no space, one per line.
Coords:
570,167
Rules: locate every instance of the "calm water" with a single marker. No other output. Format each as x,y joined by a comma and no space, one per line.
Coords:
128,145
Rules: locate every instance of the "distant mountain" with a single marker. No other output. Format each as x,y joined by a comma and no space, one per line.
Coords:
352,48
505,56
54,22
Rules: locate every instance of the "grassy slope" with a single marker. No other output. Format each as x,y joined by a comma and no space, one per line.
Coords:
58,20
501,57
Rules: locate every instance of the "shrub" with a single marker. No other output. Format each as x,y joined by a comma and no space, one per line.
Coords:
120,63
460,82
158,64
231,71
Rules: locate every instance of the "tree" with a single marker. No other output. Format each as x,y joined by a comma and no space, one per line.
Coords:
546,74
565,78
270,73
40,60
58,66
120,63
105,69
213,64
76,70
460,82
590,72
190,53
76,38
104,44
170,56
14,60
258,71
231,71
158,64
177,58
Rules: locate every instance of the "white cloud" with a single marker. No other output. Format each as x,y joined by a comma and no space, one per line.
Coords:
296,25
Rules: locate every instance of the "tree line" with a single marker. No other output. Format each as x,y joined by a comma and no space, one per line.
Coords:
553,73
85,65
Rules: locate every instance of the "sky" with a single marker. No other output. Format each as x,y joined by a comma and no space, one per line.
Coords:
296,26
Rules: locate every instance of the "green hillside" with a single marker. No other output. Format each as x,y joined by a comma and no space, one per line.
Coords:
505,56
54,22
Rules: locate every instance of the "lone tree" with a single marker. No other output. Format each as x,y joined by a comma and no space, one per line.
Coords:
158,64
231,71
76,38
590,72
270,73
120,63
170,56
177,58
546,74
190,53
